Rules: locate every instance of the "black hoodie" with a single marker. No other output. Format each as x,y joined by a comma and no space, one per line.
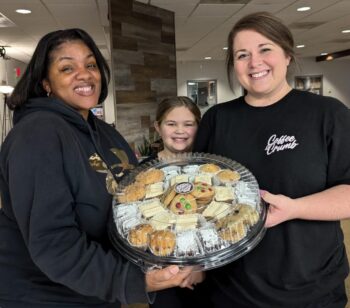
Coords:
54,248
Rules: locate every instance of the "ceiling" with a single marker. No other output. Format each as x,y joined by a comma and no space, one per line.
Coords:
201,25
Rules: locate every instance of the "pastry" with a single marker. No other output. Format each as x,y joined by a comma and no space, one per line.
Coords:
162,242
150,176
154,190
248,214
233,232
187,244
138,236
209,168
224,193
217,210
183,204
204,178
186,222
179,179
203,193
210,239
132,192
162,220
151,207
228,176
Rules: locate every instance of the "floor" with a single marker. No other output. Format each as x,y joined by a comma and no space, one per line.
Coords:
346,230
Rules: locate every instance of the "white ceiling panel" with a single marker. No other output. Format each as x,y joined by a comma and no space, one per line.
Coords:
201,29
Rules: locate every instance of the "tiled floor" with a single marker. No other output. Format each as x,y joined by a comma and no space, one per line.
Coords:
346,230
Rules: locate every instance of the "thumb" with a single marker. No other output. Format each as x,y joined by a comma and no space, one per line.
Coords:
267,196
168,272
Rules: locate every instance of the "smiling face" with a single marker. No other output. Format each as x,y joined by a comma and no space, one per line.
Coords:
177,130
261,67
73,76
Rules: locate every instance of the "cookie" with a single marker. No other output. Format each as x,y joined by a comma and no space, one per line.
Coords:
133,192
138,236
150,176
203,193
162,242
168,196
183,204
209,168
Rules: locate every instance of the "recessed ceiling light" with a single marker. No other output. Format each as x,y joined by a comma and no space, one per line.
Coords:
300,46
225,48
323,54
303,8
346,31
207,58
23,11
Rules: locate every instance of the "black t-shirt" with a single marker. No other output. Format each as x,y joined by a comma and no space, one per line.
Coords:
296,147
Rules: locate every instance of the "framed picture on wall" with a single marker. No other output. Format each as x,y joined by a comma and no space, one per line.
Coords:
311,83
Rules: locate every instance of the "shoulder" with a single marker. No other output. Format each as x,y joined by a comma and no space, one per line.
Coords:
319,102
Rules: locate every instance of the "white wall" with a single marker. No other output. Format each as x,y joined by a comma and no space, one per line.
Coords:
9,67
335,77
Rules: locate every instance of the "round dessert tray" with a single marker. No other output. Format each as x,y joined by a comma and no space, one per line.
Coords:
194,209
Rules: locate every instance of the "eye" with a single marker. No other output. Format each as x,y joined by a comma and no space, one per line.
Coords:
92,66
241,56
67,69
190,124
265,49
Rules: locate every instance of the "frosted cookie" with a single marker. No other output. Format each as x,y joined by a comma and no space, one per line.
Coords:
154,190
150,176
203,193
187,244
234,232
209,168
162,220
191,169
151,207
217,210
138,236
183,204
162,242
203,178
224,193
186,222
125,210
132,192
179,179
228,176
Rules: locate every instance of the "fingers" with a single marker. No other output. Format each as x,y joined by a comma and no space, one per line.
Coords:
168,277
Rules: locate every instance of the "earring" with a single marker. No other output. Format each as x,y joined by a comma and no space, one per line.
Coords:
48,93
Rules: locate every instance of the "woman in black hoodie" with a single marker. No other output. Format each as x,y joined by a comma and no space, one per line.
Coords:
54,248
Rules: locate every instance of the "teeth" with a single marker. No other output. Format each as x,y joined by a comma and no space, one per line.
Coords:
257,75
84,89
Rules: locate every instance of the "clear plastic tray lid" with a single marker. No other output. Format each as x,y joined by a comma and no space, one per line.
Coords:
191,210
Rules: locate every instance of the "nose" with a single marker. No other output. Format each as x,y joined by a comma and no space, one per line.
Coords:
255,59
83,73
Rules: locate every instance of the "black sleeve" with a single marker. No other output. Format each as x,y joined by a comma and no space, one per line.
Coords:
43,204
206,131
338,145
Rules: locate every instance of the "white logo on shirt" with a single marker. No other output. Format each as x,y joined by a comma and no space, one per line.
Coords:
276,144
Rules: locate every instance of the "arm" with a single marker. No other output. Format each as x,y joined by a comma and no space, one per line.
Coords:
330,204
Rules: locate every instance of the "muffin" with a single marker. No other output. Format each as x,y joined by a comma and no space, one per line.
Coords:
228,176
209,168
150,176
138,236
162,242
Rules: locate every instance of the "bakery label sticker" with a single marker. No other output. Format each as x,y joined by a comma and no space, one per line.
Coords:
277,144
184,188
